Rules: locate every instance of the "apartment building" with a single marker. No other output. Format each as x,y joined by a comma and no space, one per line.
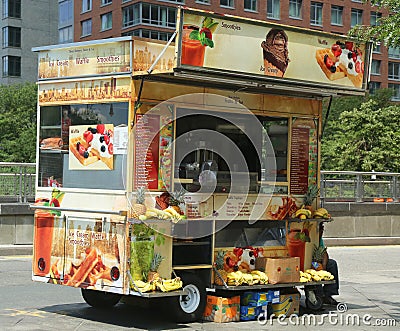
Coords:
96,19
25,24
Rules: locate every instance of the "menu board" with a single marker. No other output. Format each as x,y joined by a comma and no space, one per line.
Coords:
147,151
300,155
153,156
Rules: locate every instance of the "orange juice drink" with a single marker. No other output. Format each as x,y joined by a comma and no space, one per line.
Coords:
296,247
192,50
43,239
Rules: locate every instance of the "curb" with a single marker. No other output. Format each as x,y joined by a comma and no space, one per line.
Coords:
362,241
10,250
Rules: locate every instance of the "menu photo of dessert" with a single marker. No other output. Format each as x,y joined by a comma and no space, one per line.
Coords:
343,59
275,53
91,147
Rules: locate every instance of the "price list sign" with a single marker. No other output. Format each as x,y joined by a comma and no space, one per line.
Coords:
147,151
299,157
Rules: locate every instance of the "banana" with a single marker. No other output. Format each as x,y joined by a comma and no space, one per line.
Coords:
235,278
322,213
248,279
303,213
263,276
144,287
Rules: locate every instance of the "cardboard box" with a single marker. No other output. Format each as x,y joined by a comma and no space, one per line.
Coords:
249,313
273,296
289,304
280,269
222,310
254,299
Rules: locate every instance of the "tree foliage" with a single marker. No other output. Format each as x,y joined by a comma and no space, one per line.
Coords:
388,28
364,138
18,122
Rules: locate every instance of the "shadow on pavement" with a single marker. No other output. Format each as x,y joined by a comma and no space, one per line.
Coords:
123,315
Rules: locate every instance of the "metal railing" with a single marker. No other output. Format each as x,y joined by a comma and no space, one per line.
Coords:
17,182
359,186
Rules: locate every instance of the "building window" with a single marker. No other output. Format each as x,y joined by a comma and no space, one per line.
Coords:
175,1
11,66
394,71
205,2
227,3
394,52
105,2
376,67
65,12
375,17
86,5
144,33
356,17
11,36
106,21
337,15
273,9
396,90
86,27
145,13
316,13
250,5
11,8
65,35
295,8
373,86
376,48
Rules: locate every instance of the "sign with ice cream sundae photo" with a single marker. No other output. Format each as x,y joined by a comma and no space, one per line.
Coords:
231,44
91,147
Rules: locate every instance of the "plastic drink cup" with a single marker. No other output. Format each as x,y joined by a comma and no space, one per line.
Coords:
192,50
43,240
296,247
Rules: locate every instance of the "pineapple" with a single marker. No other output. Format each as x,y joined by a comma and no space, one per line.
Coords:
176,199
139,208
309,197
318,256
219,265
155,264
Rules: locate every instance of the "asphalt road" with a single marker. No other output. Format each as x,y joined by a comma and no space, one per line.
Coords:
370,292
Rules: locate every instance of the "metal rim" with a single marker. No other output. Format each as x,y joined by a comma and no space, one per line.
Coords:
191,301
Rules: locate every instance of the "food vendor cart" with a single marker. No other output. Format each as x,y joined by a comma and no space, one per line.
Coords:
163,167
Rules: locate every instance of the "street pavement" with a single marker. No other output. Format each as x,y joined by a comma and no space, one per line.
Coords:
369,296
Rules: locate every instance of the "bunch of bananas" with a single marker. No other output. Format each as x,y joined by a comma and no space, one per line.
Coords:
167,285
259,277
166,214
322,213
234,278
239,278
303,213
313,275
145,286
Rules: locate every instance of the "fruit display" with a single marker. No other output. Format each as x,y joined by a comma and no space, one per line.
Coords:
139,208
155,264
176,199
318,256
220,276
169,214
311,275
163,285
237,278
321,213
303,213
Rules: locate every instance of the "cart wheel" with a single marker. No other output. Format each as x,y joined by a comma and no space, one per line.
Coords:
100,299
190,307
313,301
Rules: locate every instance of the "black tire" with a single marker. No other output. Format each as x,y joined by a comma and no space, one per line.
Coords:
100,299
313,301
189,308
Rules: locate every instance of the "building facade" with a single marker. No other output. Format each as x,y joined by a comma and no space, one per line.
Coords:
97,19
25,24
